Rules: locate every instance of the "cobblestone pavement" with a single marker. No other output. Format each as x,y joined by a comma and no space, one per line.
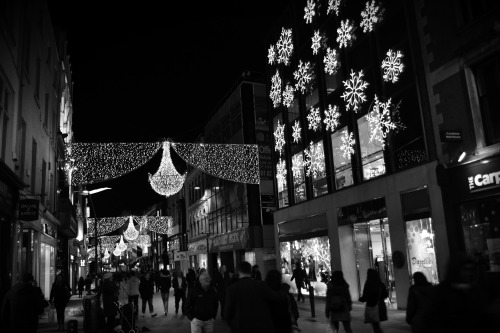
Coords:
180,324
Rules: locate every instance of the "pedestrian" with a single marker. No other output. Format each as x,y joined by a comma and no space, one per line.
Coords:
109,291
374,295
221,282
59,297
281,311
179,284
88,284
81,285
338,303
419,296
248,303
202,304
256,273
190,278
146,290
157,280
165,283
132,288
311,276
21,307
299,275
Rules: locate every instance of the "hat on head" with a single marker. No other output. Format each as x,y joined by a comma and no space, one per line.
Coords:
108,275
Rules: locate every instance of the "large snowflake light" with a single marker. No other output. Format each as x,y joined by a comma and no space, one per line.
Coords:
333,6
316,42
309,11
392,66
285,46
314,160
296,131
166,181
275,93
279,137
281,173
271,55
332,116
302,76
331,61
345,34
354,93
314,119
347,144
380,121
370,15
288,95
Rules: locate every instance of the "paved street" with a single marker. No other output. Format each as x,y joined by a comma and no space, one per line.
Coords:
180,324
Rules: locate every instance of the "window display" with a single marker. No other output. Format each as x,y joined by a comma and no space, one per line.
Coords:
420,246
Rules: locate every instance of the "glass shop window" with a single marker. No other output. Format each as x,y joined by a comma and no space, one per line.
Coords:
317,169
372,151
341,161
299,179
420,246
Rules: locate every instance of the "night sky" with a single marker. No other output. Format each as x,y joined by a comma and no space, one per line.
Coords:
144,71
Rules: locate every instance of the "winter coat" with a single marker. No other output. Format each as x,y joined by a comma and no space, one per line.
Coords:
417,315
281,311
300,277
146,288
109,291
165,283
338,303
133,285
59,293
179,290
21,307
190,278
375,293
201,304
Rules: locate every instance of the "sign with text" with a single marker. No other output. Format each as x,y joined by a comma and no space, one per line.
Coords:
28,210
451,136
234,240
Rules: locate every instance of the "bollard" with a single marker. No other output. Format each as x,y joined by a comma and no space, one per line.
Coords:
311,300
72,326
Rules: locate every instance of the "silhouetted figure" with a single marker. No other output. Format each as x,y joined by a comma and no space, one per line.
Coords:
59,297
179,284
256,273
281,312
374,294
221,282
300,276
419,297
146,289
338,304
81,285
165,283
109,292
202,304
190,278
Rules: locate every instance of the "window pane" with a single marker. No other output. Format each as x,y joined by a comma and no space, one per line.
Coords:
299,186
342,165
372,153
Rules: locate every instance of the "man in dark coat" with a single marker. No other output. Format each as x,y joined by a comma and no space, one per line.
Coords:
300,276
190,278
179,284
202,304
21,307
109,291
248,303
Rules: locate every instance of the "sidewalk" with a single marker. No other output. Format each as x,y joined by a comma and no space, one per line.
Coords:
180,324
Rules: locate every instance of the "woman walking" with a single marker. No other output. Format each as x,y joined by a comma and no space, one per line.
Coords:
59,297
374,294
419,296
81,285
146,289
338,302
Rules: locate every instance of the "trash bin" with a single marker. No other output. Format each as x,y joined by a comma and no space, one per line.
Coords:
90,320
72,326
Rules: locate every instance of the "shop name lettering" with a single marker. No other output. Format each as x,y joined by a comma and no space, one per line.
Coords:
427,262
226,239
483,180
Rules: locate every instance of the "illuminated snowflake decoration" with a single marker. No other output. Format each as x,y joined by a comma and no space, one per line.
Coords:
392,66
332,116
281,173
288,95
309,11
313,119
296,131
347,144
279,137
316,42
354,93
333,6
370,16
380,121
302,76
275,93
314,160
331,61
285,46
297,168
345,34
271,55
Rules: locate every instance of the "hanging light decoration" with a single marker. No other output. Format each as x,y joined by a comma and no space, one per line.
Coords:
166,181
106,254
122,246
117,252
131,233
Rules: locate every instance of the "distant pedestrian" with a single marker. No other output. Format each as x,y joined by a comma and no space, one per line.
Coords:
146,290
179,284
109,291
256,275
190,278
88,284
59,297
81,285
165,283
300,276
202,304
374,295
248,303
419,297
132,288
21,306
338,303
281,312
221,282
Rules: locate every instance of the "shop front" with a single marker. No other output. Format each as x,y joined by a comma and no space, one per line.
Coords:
198,253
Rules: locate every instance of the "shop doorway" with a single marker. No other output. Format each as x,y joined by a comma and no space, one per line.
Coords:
373,250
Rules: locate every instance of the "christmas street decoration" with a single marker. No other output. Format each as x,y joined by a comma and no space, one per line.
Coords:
166,181
104,225
332,116
314,119
392,66
296,131
275,93
288,95
159,224
285,46
354,94
316,42
370,15
380,121
302,76
279,137
309,11
314,160
333,6
331,61
281,173
131,233
347,144
297,168
121,246
271,55
345,34
117,252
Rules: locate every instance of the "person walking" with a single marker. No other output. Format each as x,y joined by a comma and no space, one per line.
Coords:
419,296
338,304
299,275
146,290
190,278
374,295
88,284
132,288
281,312
81,285
21,306
221,282
165,283
256,273
248,303
179,284
109,291
60,294
202,304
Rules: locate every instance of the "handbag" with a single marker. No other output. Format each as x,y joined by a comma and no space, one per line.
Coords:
51,315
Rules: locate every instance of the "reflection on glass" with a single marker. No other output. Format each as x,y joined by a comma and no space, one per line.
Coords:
299,186
420,247
343,169
372,153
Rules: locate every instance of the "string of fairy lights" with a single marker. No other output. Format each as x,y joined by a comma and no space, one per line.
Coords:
159,224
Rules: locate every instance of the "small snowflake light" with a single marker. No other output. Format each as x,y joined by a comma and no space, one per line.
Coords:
347,144
332,116
275,93
316,42
331,61
297,168
271,55
314,119
281,173
333,6
279,137
314,160
345,34
370,16
288,95
392,66
380,121
285,46
296,131
302,76
354,93
309,11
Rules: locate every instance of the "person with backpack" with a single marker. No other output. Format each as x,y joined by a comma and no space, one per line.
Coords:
338,302
165,283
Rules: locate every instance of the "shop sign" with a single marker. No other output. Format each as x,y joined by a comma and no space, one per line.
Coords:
180,255
484,181
83,263
235,240
451,136
28,209
198,247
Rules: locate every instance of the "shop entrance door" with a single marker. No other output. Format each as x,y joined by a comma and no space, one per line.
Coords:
372,247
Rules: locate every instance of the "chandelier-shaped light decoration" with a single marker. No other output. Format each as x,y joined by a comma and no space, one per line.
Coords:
122,246
143,241
117,252
166,181
104,225
131,233
106,254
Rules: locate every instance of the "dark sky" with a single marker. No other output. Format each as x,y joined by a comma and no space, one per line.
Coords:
144,71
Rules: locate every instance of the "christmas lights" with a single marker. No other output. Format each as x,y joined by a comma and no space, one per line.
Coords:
279,137
347,144
380,122
302,76
131,233
285,46
104,225
332,116
271,55
117,252
314,119
331,61
333,6
309,11
281,173
316,42
314,160
392,66
159,224
298,168
121,246
288,95
354,94
275,92
345,34
166,181
143,241
371,15
296,131
234,162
